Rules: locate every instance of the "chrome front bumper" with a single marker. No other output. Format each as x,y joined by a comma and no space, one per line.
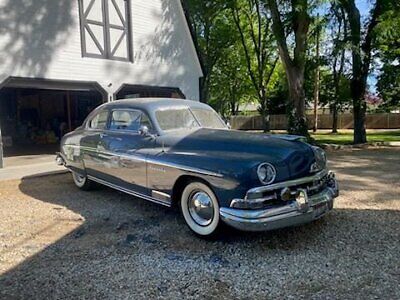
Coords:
290,214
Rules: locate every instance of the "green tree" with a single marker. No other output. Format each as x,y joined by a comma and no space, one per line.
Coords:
340,83
213,33
261,57
388,36
230,84
298,18
363,43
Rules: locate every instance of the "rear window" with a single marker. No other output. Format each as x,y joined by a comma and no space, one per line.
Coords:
174,119
208,118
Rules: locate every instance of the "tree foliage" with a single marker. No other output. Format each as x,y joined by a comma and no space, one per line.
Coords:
264,51
260,55
388,38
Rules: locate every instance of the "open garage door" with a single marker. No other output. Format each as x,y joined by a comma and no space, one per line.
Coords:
145,91
35,114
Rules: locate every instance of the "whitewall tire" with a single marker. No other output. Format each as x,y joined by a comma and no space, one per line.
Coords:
200,209
82,182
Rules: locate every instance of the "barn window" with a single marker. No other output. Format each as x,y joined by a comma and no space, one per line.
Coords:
106,29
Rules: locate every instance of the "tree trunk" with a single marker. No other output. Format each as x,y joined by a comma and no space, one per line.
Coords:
361,60
294,67
360,133
317,83
358,87
334,118
266,123
316,99
204,89
297,117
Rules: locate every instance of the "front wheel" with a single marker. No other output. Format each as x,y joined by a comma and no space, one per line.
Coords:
82,181
200,209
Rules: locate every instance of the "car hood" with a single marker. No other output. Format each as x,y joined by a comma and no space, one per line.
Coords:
294,156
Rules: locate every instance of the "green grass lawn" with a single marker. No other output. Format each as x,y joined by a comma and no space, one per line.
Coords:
346,136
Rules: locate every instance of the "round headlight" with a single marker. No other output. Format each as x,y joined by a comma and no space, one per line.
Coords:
320,158
266,173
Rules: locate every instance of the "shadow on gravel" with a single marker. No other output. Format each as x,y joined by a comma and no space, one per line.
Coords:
137,241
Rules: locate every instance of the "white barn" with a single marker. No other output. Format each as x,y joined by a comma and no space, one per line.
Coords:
60,59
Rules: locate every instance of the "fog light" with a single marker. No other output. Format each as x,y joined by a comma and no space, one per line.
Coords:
302,200
286,194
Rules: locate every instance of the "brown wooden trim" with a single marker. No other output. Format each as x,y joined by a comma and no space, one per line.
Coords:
129,32
119,13
82,28
98,45
149,87
88,9
118,43
93,22
107,51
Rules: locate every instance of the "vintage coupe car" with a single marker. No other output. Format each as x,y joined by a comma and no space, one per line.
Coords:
179,152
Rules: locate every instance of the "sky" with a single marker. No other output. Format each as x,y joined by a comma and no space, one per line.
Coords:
364,6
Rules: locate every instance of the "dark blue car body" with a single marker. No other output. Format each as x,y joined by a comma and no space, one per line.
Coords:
156,165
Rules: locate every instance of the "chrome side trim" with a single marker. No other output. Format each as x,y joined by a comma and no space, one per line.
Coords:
161,196
130,192
185,168
149,160
288,183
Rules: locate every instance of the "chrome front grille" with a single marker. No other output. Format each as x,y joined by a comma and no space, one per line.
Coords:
284,192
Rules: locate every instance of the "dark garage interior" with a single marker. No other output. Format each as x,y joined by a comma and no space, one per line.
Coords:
144,91
34,119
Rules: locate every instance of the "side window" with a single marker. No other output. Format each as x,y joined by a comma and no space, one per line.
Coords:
99,121
130,120
146,122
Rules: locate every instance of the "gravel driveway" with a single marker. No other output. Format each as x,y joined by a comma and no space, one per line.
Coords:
59,242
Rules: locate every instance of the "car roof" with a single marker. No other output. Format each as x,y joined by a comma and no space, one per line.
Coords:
152,104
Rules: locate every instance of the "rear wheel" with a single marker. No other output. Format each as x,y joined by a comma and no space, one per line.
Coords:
200,209
82,181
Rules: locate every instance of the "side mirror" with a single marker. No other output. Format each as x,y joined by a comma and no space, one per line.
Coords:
144,130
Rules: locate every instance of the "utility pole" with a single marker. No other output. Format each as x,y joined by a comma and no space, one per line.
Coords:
317,80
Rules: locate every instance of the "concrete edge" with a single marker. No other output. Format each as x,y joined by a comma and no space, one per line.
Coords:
359,146
45,174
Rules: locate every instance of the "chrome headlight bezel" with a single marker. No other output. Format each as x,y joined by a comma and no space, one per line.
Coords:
320,159
266,173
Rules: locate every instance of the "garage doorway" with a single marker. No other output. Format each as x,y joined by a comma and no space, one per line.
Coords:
35,114
127,91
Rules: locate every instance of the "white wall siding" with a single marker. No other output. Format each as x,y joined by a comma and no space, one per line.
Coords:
41,39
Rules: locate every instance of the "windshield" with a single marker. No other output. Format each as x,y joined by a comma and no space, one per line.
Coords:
184,118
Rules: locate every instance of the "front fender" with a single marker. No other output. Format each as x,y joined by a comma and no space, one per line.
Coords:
228,179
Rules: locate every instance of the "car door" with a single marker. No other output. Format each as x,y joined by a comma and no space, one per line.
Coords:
94,156
124,141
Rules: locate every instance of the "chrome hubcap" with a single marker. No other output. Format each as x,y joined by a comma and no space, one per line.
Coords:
201,208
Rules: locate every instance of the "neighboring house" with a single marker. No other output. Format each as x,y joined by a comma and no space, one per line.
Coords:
60,59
